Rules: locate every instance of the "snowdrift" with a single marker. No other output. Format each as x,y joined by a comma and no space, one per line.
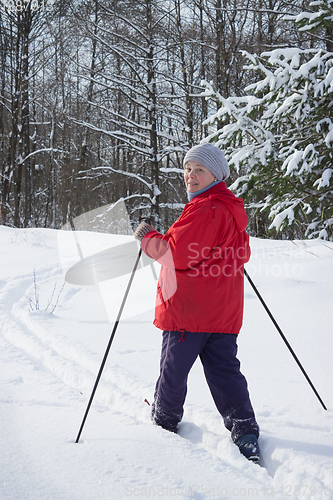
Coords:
53,338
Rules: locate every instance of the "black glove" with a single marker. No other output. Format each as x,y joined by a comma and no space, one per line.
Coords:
142,230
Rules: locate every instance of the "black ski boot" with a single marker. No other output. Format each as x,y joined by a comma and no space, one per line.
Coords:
248,446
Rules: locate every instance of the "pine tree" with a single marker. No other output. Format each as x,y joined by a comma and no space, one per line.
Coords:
279,135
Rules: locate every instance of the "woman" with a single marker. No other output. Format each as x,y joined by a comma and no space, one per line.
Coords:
200,297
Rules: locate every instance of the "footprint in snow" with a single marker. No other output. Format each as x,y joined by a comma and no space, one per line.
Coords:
17,380
190,431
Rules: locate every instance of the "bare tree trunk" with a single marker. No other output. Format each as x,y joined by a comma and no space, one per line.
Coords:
219,47
25,117
16,165
85,141
187,87
4,148
204,106
152,113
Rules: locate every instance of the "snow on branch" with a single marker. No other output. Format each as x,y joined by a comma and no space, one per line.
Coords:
123,172
324,181
279,137
118,134
44,150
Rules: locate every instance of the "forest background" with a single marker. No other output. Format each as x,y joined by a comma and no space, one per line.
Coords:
100,100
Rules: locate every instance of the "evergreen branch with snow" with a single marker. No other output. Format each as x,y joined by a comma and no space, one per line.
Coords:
279,137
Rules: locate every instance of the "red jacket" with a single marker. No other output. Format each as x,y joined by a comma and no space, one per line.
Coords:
201,283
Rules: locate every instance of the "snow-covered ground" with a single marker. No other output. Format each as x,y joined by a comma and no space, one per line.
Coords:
49,362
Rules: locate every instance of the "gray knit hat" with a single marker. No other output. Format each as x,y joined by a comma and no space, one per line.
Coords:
211,157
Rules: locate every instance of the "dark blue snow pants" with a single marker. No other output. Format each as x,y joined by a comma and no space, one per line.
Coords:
228,386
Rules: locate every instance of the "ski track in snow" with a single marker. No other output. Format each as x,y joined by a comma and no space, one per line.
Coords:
75,366
69,369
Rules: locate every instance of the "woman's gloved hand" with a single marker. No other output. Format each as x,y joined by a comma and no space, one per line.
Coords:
142,230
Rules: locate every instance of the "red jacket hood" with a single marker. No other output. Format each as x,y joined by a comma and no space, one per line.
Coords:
234,204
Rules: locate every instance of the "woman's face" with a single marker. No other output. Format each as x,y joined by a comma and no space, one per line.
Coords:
197,176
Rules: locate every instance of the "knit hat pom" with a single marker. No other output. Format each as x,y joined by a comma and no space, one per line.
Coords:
211,157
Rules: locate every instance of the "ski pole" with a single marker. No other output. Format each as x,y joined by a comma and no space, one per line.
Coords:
109,344
284,338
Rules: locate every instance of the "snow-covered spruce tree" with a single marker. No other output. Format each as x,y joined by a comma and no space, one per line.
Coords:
279,136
